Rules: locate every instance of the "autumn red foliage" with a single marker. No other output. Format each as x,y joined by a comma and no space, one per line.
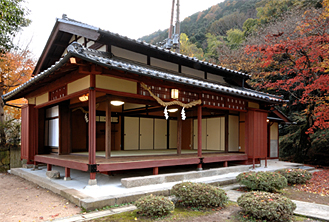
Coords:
319,184
295,63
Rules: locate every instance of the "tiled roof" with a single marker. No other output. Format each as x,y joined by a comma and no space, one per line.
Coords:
83,25
107,60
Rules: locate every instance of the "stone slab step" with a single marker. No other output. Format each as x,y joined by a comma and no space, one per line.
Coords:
185,176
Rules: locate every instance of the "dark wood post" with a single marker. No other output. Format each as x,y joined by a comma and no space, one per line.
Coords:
179,132
108,129
155,170
226,132
92,128
200,137
199,131
49,166
67,174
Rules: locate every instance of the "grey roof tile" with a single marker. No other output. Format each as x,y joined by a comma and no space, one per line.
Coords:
75,49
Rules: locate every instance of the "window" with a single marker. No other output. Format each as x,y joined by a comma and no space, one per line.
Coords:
52,128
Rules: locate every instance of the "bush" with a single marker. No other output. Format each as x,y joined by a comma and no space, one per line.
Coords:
295,176
154,206
199,195
267,206
264,181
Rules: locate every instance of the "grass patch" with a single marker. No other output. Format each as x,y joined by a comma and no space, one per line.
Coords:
179,214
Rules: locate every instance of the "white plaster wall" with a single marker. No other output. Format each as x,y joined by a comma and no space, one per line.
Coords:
123,53
163,64
192,72
216,78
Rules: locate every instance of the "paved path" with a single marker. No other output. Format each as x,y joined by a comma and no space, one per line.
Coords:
316,211
110,190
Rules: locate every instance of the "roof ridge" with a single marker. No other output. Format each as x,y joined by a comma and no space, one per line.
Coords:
105,59
65,19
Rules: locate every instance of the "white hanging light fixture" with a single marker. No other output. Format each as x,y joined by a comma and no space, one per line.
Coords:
172,110
84,97
117,103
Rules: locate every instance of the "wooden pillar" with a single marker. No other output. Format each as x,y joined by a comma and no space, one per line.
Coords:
225,164
49,166
155,170
108,129
226,132
179,132
199,131
67,174
92,128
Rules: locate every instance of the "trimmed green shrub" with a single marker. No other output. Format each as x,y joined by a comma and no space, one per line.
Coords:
154,206
199,195
264,181
267,206
295,176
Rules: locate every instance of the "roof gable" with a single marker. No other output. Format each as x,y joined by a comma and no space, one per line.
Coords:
65,28
107,60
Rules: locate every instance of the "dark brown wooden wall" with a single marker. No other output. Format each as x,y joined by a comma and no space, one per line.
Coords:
256,133
64,128
28,133
187,134
79,132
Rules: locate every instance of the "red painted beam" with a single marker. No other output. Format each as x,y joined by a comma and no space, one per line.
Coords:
146,164
224,158
64,98
63,163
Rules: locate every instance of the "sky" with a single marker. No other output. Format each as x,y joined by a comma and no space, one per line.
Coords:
132,18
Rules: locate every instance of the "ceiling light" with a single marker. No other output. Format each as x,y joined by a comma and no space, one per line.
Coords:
172,110
117,103
84,97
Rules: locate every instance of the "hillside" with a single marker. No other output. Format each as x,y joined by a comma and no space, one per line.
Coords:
216,20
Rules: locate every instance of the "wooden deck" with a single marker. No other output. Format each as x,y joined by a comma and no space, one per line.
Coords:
80,162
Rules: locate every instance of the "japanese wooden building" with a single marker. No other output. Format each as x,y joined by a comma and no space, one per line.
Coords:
96,103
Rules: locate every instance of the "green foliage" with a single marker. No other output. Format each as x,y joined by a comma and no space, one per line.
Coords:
199,195
264,181
249,26
197,25
235,37
154,206
295,176
267,206
231,21
12,18
188,48
213,43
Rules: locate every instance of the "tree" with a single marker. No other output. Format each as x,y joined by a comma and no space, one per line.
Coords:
12,70
235,37
12,19
213,43
16,67
188,48
293,62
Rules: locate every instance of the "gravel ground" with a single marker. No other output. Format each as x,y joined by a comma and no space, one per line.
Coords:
21,200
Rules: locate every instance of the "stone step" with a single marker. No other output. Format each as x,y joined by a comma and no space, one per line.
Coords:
176,177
